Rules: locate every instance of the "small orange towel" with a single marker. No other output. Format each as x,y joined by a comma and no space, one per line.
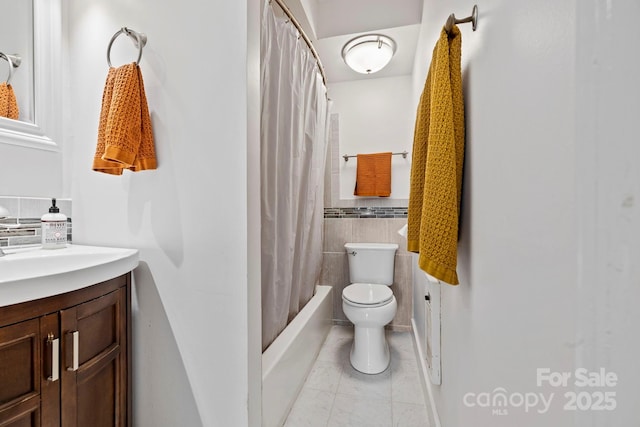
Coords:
8,103
125,138
373,175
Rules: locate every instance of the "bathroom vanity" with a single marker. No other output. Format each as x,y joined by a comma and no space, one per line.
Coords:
65,358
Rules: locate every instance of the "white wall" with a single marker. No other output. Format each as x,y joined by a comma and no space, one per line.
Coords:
514,310
375,115
550,224
30,172
608,186
194,363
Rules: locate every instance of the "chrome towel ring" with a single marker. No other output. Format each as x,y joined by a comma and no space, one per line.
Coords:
139,40
14,62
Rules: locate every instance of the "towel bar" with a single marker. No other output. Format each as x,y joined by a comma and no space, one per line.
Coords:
139,40
403,154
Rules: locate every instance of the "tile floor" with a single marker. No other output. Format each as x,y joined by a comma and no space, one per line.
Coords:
335,394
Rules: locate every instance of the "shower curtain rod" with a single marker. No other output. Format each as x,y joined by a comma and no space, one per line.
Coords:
295,22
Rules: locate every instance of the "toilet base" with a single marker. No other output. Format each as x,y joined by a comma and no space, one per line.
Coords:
370,351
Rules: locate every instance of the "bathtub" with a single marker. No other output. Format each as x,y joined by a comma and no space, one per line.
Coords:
288,360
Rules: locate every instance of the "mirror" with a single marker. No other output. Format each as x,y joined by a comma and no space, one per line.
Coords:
33,31
16,38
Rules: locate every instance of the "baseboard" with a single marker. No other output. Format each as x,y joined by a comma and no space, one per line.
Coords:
425,380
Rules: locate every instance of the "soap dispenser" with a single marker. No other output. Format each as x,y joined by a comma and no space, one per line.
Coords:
54,228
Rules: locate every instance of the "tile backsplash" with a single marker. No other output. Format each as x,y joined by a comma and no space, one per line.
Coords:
366,212
22,227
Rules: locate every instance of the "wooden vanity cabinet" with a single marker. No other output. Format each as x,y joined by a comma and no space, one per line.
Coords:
86,335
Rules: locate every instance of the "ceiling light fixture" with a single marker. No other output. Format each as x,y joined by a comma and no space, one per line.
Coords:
369,53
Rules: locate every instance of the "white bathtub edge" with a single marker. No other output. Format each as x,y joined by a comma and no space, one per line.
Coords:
288,360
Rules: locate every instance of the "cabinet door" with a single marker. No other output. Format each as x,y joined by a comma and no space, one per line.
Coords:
50,378
94,374
20,356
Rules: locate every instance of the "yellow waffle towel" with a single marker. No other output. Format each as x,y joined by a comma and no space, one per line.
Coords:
125,137
8,103
437,160
373,175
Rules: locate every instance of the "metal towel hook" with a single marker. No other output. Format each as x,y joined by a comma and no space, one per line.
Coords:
139,40
452,20
14,62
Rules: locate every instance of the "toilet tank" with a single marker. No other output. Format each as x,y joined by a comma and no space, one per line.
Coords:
371,262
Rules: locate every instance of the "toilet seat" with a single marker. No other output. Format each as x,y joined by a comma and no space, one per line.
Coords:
367,295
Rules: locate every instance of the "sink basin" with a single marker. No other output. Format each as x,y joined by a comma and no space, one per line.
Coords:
31,273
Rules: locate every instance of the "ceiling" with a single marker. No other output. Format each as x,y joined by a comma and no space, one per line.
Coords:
332,23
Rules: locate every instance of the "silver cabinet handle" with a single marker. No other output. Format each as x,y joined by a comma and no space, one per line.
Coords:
75,336
54,345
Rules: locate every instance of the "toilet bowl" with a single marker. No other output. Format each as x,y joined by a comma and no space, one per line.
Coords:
369,303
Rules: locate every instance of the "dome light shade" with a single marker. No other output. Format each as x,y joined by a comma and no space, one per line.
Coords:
369,53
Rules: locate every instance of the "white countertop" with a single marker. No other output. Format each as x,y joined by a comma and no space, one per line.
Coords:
32,273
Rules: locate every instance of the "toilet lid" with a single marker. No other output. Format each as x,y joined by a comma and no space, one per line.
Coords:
367,294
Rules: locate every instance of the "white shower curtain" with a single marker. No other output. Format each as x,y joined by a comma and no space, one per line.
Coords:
293,151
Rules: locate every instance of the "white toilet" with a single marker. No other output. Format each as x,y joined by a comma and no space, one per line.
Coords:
369,304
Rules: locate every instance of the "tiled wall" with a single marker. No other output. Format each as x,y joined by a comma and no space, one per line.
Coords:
27,212
366,212
335,268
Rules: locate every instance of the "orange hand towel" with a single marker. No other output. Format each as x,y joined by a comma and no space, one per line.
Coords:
373,175
8,103
436,169
125,137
